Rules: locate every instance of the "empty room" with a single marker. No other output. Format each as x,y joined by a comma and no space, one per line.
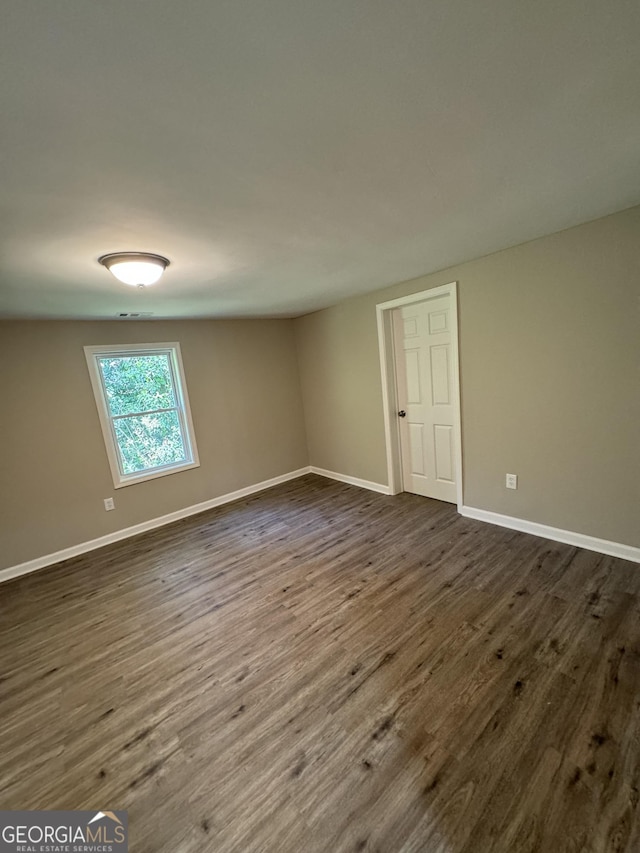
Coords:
319,446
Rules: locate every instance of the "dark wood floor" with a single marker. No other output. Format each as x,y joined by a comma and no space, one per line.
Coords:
319,668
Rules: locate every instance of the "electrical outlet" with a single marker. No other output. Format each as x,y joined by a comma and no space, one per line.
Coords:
109,504
511,481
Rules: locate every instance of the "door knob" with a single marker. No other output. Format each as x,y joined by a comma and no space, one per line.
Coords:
402,413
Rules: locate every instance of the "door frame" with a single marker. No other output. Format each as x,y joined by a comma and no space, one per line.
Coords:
389,388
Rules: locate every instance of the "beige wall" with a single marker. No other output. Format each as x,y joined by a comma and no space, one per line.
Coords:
549,356
550,349
245,399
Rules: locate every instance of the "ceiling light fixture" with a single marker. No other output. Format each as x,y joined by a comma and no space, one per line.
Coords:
138,269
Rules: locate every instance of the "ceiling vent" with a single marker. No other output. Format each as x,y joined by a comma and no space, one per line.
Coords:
134,315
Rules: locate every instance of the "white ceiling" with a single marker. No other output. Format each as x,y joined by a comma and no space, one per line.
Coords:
286,153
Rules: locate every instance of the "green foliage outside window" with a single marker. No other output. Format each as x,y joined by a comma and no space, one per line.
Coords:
141,399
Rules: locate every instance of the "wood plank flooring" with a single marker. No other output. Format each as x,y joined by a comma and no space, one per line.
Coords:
321,668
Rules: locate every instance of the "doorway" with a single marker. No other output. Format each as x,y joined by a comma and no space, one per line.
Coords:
418,341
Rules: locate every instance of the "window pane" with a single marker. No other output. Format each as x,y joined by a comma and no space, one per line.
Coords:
137,383
149,441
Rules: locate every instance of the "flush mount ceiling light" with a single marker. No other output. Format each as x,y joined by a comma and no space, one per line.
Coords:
136,268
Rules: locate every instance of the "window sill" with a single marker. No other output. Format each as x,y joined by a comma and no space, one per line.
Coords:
143,476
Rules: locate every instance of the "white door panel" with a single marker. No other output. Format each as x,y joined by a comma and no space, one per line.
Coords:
442,435
422,333
412,368
440,375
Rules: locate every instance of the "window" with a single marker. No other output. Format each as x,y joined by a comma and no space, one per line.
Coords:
144,411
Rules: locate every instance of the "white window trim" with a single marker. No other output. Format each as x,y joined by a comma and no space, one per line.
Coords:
120,479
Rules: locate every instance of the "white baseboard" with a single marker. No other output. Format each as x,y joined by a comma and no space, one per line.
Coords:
352,481
580,540
160,521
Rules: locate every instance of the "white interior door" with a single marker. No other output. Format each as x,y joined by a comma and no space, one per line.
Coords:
426,397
